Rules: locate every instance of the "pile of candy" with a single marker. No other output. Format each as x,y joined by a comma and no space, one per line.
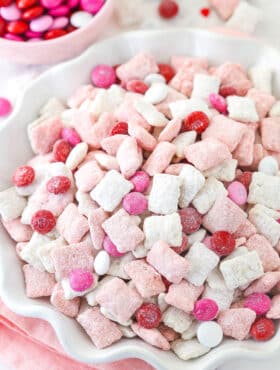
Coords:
151,207
33,20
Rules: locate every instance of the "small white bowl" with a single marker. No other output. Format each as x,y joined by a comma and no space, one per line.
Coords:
14,150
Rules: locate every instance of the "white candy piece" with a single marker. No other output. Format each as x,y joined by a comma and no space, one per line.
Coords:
69,293
80,19
192,182
154,78
127,332
102,263
210,334
40,174
204,85
224,171
44,253
189,349
167,228
150,113
202,261
265,189
242,109
269,166
261,77
196,237
156,93
161,302
106,161
275,110
11,204
245,17
177,319
76,156
117,266
183,140
182,108
164,195
110,190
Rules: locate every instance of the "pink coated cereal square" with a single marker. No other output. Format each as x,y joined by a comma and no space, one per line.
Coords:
177,61
72,225
144,139
111,144
167,262
126,300
236,322
174,169
80,95
67,307
225,130
258,153
183,295
18,231
151,336
244,153
245,230
168,333
268,255
172,96
83,124
264,284
137,68
123,231
88,176
274,312
160,158
129,157
171,130
264,101
147,280
43,135
224,8
71,257
270,131
101,330
38,283
224,215
207,153
95,220
101,129
126,112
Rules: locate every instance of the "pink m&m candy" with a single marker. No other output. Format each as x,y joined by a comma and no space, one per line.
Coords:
10,13
60,11
5,107
135,203
32,34
103,76
218,102
237,193
70,134
73,3
49,4
205,309
12,37
110,248
59,22
258,302
141,181
80,280
92,6
41,24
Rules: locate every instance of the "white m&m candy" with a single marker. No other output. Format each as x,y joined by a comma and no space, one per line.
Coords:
157,93
80,19
102,263
209,334
269,166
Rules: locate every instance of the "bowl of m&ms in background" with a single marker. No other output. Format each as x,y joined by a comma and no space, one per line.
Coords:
49,31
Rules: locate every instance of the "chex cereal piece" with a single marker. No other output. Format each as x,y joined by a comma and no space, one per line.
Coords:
225,130
127,332
242,109
11,204
91,296
264,189
110,190
175,169
147,280
183,296
177,61
236,322
192,182
204,85
122,231
102,128
80,94
106,101
85,203
224,171
224,215
188,349
38,283
43,135
151,336
167,228
265,224
222,296
140,251
161,302
261,77
241,270
190,333
18,231
71,257
144,139
275,110
30,252
244,153
88,176
264,101
202,261
182,140
245,230
264,284
177,319
67,307
164,195
167,262
101,330
269,257
207,153
95,220
150,113
224,8
111,144
121,292
168,333
71,225
207,196
245,17
76,156
44,251
137,68
117,267
270,130
274,312
105,161
197,236
160,158
182,108
53,107
129,157
163,107
171,130
111,317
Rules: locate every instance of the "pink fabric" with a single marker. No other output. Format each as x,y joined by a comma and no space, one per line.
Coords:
31,344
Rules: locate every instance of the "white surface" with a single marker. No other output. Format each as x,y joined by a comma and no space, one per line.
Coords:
65,78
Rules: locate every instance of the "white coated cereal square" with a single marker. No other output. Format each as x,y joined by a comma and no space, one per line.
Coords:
242,109
177,319
30,252
167,228
11,204
69,293
241,270
204,85
275,110
164,195
76,156
265,189
182,108
223,297
207,196
183,140
202,261
224,172
197,236
150,113
261,77
111,190
188,349
192,182
53,107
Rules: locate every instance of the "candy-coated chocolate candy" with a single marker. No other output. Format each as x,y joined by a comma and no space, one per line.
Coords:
10,13
210,334
205,309
103,76
55,33
43,222
92,6
5,2
41,24
80,19
17,27
60,11
23,4
23,176
12,37
73,3
70,134
60,22
49,4
80,280
237,193
2,26
32,34
102,263
32,13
